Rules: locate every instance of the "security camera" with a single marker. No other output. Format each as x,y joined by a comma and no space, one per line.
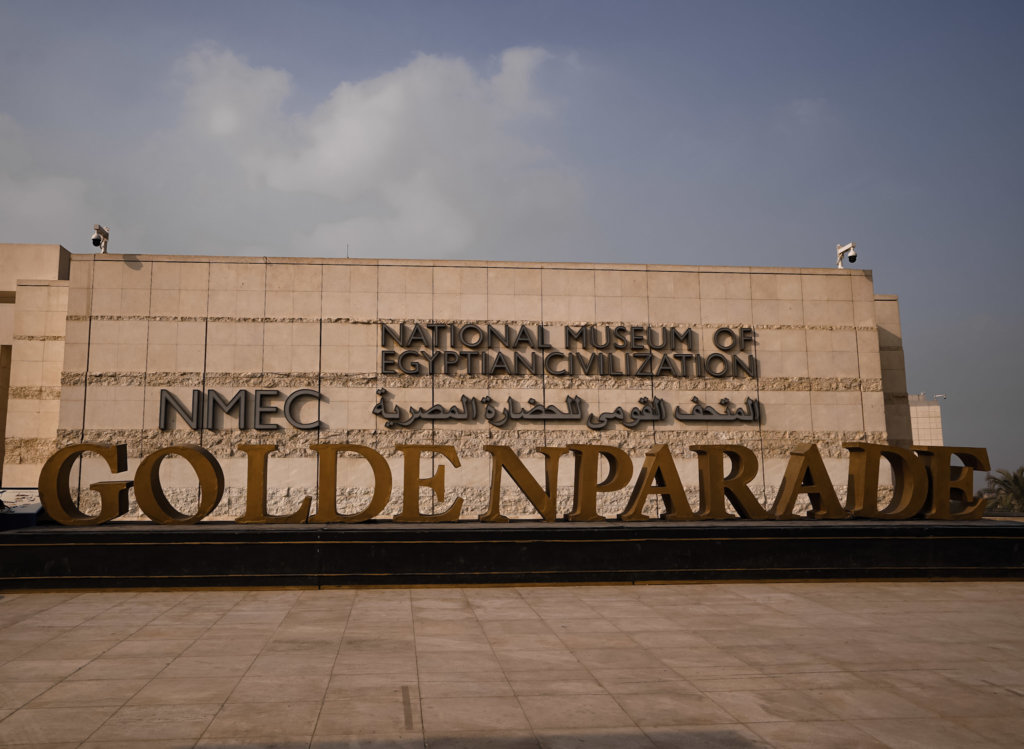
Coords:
849,250
100,237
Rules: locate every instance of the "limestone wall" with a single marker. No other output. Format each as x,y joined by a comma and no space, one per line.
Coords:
136,324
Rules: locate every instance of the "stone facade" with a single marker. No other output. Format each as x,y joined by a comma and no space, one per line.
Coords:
95,338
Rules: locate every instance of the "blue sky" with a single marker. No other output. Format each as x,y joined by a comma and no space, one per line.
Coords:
734,133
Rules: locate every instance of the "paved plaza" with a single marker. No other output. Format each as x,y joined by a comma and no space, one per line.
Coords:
717,665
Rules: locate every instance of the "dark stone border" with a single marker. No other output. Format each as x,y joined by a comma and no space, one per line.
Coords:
143,555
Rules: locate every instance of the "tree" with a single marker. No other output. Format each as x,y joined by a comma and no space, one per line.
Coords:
1008,489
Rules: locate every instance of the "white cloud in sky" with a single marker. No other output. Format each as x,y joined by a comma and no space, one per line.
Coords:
435,158
424,160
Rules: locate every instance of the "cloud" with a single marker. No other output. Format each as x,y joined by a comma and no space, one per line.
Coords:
428,159
435,158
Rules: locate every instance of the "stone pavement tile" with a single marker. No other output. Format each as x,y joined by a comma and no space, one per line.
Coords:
280,664
674,686
492,688
534,659
255,688
404,740
443,715
197,666
815,735
582,640
1004,731
263,743
148,722
453,642
659,639
96,693
141,648
155,631
607,658
957,701
386,715
24,669
910,678
262,721
706,662
373,663
927,733
193,690
121,668
604,738
483,740
616,678
724,736
207,645
531,641
644,623
758,707
479,663
448,628
303,641
737,684
823,680
534,683
865,704
571,711
51,724
524,627
132,744
1006,673
342,686
60,649
672,709
14,694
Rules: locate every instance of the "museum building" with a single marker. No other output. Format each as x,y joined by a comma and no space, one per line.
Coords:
465,357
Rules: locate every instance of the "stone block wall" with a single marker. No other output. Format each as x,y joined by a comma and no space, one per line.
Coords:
828,351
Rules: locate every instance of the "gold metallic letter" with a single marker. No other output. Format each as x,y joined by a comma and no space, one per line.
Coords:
585,485
658,476
504,458
327,496
411,489
806,474
909,478
256,489
55,489
150,494
715,486
947,482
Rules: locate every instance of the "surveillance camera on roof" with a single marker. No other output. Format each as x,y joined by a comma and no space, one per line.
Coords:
100,237
849,250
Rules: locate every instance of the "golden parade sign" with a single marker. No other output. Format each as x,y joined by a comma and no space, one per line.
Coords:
926,484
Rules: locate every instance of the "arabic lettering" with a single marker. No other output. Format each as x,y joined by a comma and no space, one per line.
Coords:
729,412
650,411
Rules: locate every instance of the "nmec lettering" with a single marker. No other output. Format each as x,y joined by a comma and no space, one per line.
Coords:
251,409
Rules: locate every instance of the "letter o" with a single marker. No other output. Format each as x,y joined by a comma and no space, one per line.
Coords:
717,338
150,494
716,357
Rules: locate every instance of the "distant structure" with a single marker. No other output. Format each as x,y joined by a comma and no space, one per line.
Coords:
926,419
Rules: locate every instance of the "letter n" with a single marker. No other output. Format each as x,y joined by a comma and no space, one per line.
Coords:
505,459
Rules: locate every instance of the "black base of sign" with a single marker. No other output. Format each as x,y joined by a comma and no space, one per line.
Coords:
142,555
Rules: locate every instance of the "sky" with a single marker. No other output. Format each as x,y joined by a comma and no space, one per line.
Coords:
722,133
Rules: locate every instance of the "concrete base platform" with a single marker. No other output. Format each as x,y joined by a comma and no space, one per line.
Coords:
143,555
